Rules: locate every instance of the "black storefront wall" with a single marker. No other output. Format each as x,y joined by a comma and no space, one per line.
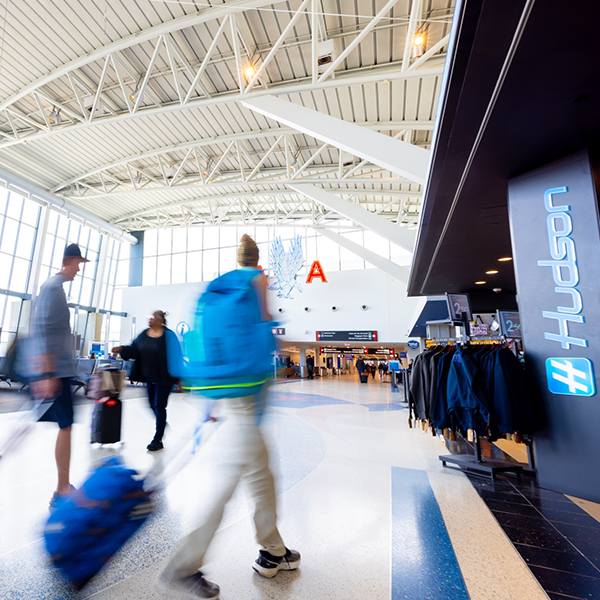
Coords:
556,247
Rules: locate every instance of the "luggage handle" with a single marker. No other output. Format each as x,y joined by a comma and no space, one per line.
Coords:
30,413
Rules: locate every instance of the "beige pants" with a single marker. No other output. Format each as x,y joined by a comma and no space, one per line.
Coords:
241,452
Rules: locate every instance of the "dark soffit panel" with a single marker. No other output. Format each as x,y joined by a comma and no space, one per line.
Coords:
548,107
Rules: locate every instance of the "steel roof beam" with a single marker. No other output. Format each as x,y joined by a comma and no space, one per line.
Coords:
254,187
383,264
398,157
261,194
420,125
299,219
416,12
404,238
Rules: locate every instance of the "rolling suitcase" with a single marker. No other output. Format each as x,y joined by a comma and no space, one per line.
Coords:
105,387
364,377
94,521
106,421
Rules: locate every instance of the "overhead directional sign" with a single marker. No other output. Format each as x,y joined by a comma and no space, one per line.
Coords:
346,336
366,351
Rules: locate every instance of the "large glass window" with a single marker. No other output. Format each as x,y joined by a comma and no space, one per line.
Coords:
63,231
116,275
18,226
19,218
201,253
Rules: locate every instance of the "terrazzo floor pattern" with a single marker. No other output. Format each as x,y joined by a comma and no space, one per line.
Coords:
334,444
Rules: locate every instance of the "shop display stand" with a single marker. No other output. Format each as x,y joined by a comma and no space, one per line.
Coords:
475,463
405,384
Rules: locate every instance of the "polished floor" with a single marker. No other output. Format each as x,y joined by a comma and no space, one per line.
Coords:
361,496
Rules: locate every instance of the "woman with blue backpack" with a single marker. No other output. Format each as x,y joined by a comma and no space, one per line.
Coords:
234,307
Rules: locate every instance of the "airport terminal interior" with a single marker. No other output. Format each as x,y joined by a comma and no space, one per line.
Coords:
420,180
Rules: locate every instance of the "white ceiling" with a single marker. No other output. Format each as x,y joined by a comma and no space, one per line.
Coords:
154,164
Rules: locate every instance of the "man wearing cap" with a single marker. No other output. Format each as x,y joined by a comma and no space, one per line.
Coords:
53,361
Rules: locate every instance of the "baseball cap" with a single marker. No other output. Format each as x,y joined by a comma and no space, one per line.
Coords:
73,251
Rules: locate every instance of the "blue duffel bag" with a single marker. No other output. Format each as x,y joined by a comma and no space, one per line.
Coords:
92,523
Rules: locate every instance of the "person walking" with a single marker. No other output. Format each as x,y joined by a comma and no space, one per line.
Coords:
384,369
53,362
241,452
157,355
310,365
361,367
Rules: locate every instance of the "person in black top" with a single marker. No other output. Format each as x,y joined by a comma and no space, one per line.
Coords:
157,356
310,364
360,366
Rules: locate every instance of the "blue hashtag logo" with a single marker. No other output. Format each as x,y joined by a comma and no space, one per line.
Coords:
571,376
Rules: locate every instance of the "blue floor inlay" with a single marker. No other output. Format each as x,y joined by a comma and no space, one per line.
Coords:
424,565
296,400
384,406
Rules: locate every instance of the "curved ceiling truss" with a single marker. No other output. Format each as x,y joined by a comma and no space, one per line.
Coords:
156,71
243,169
275,207
214,56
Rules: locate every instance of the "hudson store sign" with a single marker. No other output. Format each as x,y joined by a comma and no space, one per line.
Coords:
569,376
556,249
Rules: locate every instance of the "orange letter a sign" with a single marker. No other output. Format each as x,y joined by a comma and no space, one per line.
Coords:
316,271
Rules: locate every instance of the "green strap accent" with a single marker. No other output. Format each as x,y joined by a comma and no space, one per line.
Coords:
220,387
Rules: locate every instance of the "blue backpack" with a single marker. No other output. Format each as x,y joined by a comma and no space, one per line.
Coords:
229,351
88,527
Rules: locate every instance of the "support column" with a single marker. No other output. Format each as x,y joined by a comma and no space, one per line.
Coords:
556,206
36,261
102,260
303,372
136,260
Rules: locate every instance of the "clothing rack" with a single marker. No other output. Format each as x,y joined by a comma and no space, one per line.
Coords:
475,463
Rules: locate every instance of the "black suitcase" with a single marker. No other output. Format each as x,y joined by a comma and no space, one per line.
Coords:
106,421
364,378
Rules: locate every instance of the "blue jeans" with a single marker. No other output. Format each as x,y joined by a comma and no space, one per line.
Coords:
158,396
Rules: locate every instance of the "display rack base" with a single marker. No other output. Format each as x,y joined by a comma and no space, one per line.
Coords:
485,467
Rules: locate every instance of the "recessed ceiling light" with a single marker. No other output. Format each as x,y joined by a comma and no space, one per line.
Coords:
480,282
505,259
491,272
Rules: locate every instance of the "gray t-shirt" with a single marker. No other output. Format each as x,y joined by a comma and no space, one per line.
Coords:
51,326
